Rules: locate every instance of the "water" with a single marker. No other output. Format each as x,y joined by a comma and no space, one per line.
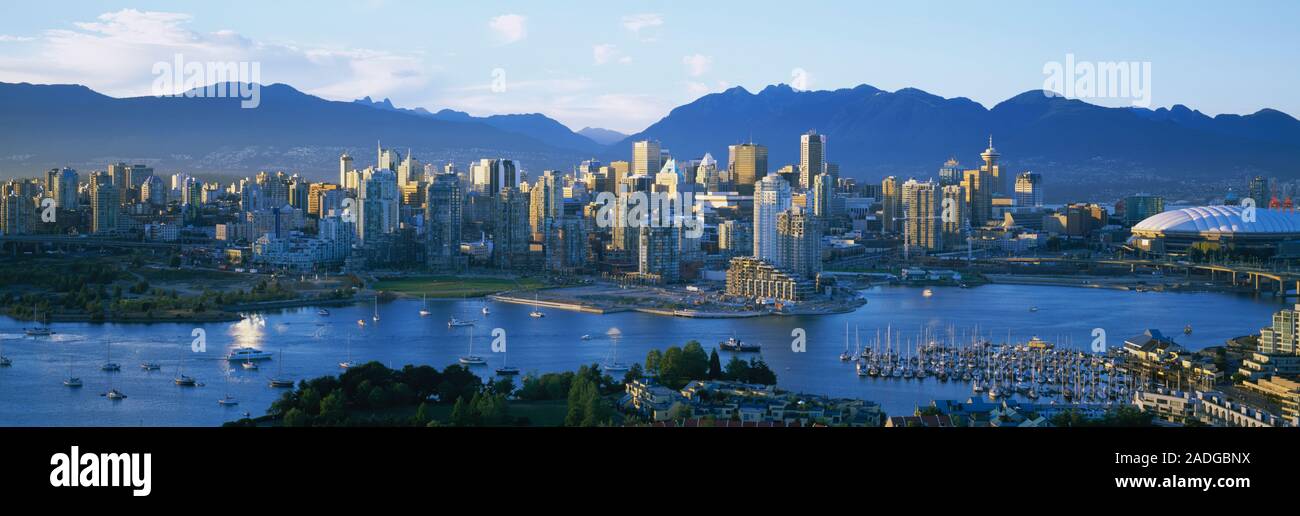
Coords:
32,393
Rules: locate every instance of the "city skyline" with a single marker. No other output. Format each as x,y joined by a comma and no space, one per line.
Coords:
603,78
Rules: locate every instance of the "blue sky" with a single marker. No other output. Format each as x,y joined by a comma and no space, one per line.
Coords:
623,65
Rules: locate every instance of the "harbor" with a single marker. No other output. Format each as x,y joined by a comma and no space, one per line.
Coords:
306,342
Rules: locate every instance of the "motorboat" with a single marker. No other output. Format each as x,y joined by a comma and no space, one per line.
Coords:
248,354
737,345
456,323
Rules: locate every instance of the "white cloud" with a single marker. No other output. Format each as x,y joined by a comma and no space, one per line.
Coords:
697,64
6,38
115,54
608,53
640,22
509,28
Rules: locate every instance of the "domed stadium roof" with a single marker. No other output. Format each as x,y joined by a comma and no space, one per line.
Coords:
1220,220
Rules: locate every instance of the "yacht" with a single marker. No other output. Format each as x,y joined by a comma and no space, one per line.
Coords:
114,394
586,337
5,361
72,381
111,367
1033,309
150,366
348,364
323,312
248,354
507,371
281,383
734,344
538,314
376,316
228,401
38,332
614,367
485,310
456,323
927,292
248,365
361,322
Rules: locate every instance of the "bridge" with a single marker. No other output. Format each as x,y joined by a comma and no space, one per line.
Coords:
1238,275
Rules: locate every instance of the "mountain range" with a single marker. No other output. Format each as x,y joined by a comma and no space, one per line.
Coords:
870,133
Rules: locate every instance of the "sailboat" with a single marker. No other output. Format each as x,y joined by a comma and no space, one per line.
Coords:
456,323
613,365
38,331
537,313
505,369
248,364
424,312
376,316
485,310
470,358
279,380
113,394
150,366
71,381
4,360
845,356
348,363
109,365
227,400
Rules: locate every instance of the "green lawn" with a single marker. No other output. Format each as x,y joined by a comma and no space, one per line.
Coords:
450,286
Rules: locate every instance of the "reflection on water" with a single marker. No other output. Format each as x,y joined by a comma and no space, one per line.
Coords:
307,345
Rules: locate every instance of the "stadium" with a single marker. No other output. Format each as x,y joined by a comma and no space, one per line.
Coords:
1218,230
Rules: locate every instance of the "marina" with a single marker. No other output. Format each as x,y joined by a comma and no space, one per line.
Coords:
300,344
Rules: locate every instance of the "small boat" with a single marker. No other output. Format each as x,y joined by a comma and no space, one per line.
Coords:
5,361
470,358
614,367
280,380
586,337
38,332
248,365
456,323
734,344
537,314
348,364
507,371
111,367
376,316
323,312
424,312
247,354
184,381
485,310
1033,309
927,292
1187,330
114,394
361,322
150,366
228,401
72,381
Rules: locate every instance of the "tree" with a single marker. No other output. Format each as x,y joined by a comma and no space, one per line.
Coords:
331,408
295,417
715,365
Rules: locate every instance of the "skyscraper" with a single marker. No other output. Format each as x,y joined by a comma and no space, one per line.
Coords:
771,197
823,194
379,208
954,228
979,195
442,222
746,162
510,229
921,203
950,172
489,176
61,185
658,254
1029,189
345,166
997,180
890,205
104,204
799,236
1258,191
646,158
812,157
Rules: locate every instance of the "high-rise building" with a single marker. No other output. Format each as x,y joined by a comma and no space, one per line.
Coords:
61,185
708,178
646,158
1283,337
1142,206
746,163
1029,189
950,172
771,197
812,157
658,255
409,170
314,194
799,238
345,166
379,209
15,212
921,203
489,176
823,195
153,192
104,204
511,231
545,206
890,205
1258,190
442,222
954,226
979,195
388,159
734,238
